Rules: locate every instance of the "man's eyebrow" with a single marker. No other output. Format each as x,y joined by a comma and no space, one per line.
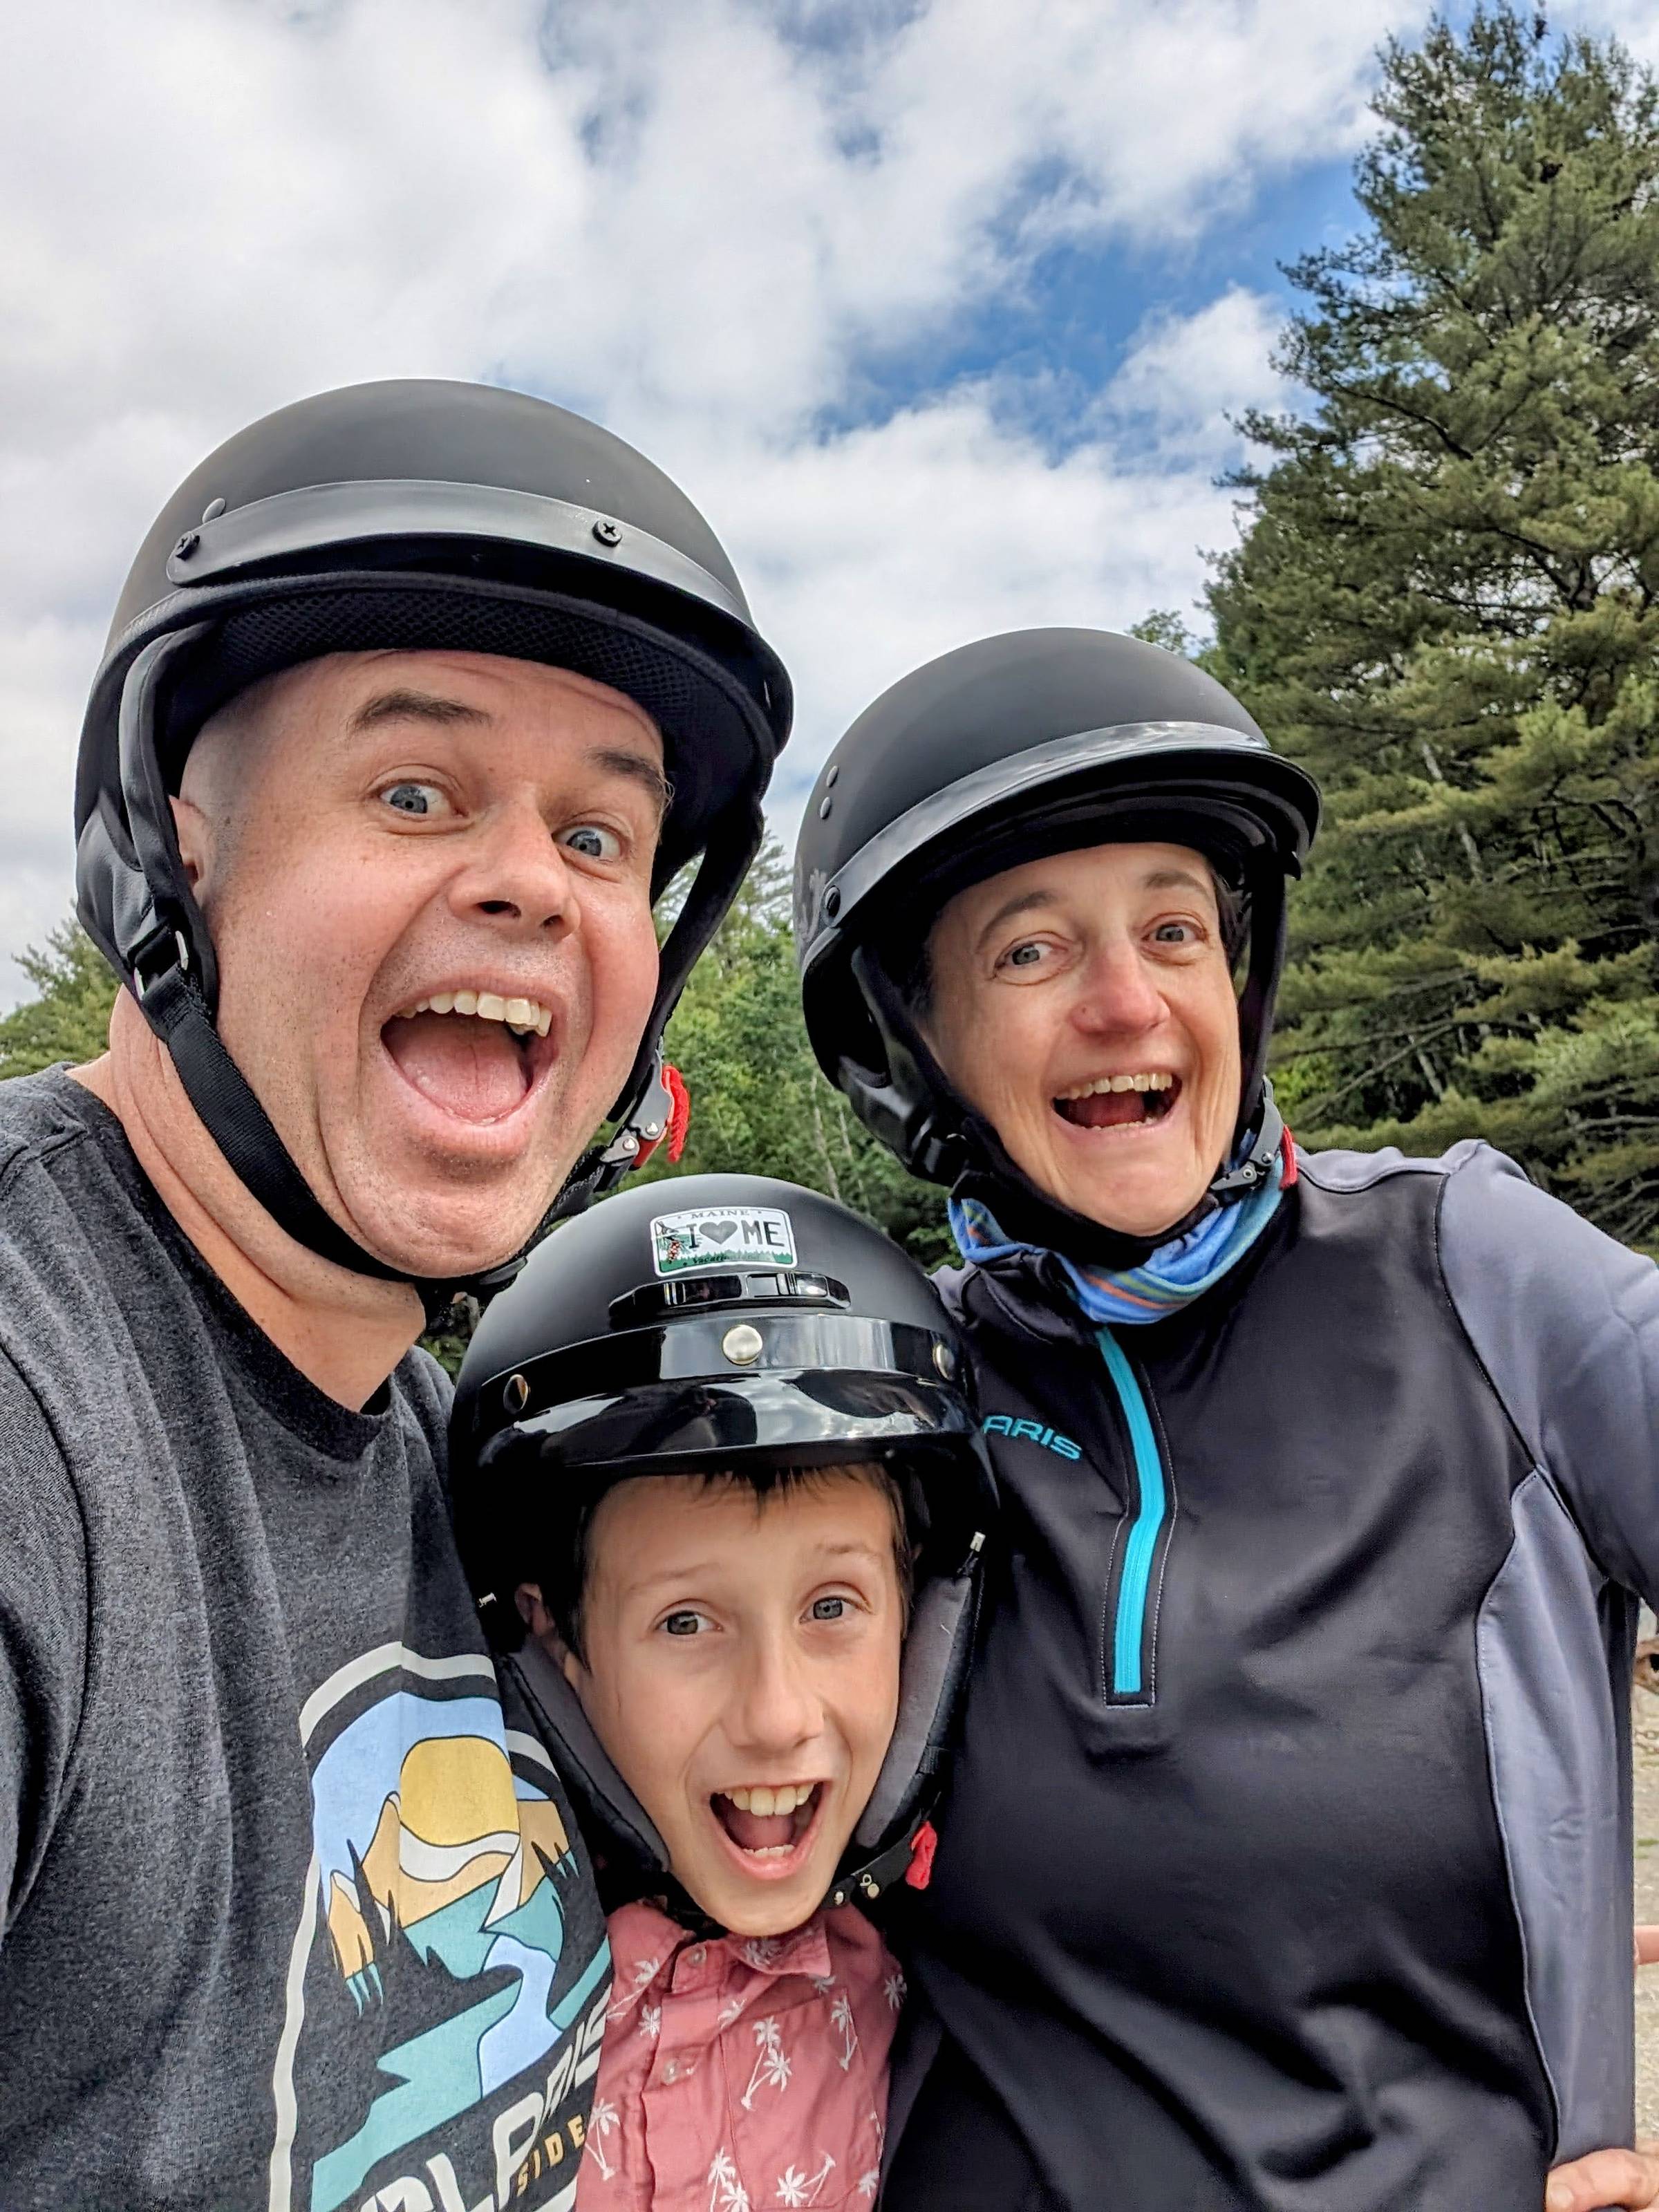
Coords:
403,705
616,761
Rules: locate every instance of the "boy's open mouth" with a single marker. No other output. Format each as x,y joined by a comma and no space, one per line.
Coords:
1119,1102
768,1824
474,1053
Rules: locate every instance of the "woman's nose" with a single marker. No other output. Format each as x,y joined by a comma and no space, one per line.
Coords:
517,873
1119,995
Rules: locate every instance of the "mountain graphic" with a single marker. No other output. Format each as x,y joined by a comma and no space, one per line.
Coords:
453,1824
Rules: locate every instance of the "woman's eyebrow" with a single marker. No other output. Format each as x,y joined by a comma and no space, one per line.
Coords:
1022,903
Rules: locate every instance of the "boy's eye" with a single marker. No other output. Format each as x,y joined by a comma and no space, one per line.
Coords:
828,1608
416,798
592,843
682,1624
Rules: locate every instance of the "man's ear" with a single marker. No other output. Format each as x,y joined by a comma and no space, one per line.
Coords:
195,834
540,1623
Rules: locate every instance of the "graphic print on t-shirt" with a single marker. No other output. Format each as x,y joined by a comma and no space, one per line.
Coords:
447,1990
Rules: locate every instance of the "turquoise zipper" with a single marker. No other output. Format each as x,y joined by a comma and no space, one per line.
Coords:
1130,1627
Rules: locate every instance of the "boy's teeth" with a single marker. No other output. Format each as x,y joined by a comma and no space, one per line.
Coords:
1152,1080
528,1017
786,1798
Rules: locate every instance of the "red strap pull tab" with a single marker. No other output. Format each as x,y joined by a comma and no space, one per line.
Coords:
679,1120
1287,1148
919,1872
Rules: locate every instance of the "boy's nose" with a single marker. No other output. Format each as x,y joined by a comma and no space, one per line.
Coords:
775,1707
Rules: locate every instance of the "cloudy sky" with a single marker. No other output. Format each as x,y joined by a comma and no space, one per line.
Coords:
937,307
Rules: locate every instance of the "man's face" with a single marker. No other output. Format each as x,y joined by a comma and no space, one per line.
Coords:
742,1671
427,876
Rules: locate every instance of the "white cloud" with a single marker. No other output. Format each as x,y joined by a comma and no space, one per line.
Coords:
673,215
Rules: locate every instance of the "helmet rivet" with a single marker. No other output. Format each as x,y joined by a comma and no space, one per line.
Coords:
742,1344
832,902
515,1395
607,532
945,1360
213,510
833,778
187,545
826,810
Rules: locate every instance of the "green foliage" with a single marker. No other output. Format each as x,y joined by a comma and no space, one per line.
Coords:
70,1017
759,1103
1447,606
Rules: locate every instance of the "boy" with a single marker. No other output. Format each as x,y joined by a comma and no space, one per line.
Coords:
705,1448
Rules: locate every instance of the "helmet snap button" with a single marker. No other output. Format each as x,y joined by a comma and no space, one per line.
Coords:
213,510
945,1360
742,1344
516,1394
832,902
833,778
607,532
826,810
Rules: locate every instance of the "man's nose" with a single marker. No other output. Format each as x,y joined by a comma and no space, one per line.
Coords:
1120,995
515,872
775,1707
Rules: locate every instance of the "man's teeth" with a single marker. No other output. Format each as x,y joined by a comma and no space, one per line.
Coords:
524,1015
1158,1079
785,1798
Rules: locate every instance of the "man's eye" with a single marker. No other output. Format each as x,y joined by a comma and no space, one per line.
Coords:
828,1608
681,1623
592,843
414,798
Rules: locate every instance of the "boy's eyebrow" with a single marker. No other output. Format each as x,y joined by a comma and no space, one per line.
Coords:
692,1570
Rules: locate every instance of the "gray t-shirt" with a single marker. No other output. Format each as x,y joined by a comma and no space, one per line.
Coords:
292,1914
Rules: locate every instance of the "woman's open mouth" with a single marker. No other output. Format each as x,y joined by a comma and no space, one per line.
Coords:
769,1831
1119,1102
474,1055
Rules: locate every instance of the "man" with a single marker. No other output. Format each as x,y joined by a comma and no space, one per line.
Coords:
417,696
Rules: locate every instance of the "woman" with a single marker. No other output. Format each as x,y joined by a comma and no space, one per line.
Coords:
1286,1862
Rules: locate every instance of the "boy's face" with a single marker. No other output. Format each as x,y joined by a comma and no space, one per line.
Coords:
743,1656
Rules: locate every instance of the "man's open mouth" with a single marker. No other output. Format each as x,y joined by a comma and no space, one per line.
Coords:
1119,1102
474,1053
768,1824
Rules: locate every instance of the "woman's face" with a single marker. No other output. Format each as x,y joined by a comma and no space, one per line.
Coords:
1084,1006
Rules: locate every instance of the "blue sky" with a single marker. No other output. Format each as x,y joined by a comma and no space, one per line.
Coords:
938,307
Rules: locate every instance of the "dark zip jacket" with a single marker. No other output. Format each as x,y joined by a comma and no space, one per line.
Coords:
1286,1862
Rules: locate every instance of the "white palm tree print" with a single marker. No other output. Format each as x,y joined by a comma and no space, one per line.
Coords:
726,2191
772,2066
796,2188
602,2122
840,2019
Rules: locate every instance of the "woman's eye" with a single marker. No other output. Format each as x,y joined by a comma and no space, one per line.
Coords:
592,843
681,1623
1175,932
1025,956
828,1608
416,798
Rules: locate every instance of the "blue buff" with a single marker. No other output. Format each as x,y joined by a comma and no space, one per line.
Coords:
1172,1277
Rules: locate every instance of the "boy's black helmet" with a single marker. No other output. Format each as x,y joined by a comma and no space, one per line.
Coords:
409,514
708,1323
1038,742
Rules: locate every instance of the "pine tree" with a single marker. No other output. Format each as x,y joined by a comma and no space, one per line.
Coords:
68,1017
1444,605
759,1103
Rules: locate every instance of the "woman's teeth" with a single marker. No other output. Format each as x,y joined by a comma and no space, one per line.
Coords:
782,1799
525,1016
1154,1079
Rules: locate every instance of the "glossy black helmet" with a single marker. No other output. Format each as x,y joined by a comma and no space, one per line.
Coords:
710,1324
410,514
1038,742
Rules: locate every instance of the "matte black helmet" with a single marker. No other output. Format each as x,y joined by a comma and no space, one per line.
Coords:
410,514
1038,742
713,1323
